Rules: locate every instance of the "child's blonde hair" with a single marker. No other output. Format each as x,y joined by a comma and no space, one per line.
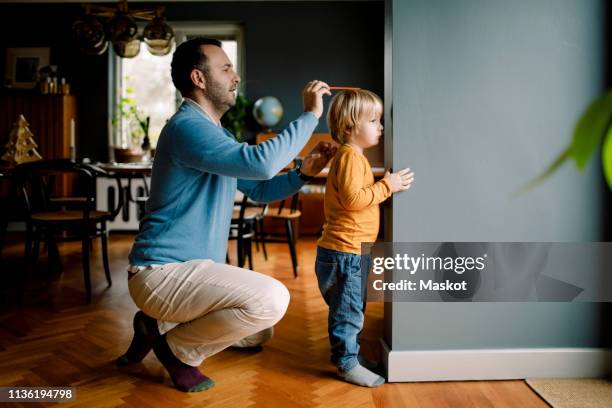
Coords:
347,107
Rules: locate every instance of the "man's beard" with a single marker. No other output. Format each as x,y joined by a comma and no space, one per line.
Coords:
218,96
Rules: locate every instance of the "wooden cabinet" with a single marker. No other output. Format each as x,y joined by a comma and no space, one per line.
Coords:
49,117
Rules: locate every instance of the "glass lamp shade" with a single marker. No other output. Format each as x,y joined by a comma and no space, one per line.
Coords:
89,34
158,36
97,50
127,49
160,52
122,28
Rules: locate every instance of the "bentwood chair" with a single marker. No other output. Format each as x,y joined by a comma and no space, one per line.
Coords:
288,215
52,218
242,230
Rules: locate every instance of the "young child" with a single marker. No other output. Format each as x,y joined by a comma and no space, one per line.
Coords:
352,216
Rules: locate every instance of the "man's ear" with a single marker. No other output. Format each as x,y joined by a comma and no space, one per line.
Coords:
198,79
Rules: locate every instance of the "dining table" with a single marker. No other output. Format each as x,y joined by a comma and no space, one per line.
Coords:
130,171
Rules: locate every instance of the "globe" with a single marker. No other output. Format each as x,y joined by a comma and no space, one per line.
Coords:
268,111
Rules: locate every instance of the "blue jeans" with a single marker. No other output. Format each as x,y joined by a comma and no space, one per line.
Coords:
343,287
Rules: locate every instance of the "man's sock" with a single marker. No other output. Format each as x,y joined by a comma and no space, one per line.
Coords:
360,375
145,334
185,377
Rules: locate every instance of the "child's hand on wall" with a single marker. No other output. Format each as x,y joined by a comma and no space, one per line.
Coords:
400,181
313,97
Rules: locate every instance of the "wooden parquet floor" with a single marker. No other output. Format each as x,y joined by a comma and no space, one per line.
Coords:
55,339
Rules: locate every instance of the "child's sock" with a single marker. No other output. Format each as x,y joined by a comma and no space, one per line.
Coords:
370,365
145,334
185,377
360,375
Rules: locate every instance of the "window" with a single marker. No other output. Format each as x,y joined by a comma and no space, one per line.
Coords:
144,85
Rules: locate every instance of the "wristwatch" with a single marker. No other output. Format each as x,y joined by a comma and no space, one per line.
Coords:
298,171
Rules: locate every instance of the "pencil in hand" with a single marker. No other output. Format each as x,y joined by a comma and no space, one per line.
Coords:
343,88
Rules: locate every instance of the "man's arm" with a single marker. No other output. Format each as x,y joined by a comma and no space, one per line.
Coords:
277,188
285,185
208,148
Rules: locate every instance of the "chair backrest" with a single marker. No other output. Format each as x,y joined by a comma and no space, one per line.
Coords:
243,206
293,206
239,200
243,226
255,204
35,181
99,172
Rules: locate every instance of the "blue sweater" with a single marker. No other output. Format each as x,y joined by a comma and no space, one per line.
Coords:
198,167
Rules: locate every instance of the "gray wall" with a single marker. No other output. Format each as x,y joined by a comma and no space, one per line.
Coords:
485,95
290,43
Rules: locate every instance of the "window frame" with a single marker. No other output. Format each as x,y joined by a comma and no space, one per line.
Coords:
222,30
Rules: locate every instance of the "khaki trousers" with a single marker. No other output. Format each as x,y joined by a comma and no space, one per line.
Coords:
205,307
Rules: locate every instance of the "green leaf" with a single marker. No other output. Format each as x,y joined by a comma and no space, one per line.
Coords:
606,157
590,129
562,158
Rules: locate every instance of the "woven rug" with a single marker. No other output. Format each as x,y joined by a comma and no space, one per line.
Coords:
574,392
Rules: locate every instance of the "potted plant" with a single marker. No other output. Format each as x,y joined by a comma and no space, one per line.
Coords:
594,128
237,118
138,127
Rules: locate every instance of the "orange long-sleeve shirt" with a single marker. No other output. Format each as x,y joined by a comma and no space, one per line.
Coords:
352,199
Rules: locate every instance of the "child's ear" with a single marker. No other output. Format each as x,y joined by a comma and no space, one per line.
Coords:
348,131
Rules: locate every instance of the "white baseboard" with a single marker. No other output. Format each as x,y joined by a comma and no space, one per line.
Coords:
495,364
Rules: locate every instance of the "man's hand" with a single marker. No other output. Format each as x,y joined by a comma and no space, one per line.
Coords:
313,97
318,158
400,181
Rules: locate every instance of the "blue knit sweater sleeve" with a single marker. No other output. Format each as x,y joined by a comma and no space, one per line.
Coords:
201,145
277,188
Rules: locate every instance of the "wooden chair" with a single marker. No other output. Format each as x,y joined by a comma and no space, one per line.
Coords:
260,236
76,218
242,230
288,215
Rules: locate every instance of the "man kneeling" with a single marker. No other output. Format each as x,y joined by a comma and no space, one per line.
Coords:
192,305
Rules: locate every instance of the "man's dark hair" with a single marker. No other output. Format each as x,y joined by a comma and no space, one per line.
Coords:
189,55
